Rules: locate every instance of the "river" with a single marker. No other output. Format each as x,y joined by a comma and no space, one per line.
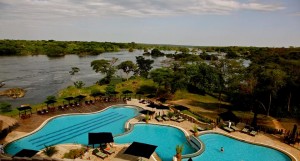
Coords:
42,76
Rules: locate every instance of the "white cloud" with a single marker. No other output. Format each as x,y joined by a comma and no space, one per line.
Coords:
44,9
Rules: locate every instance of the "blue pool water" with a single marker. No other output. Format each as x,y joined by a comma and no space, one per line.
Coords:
235,150
74,129
165,137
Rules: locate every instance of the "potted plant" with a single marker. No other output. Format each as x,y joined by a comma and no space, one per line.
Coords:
179,149
147,118
195,130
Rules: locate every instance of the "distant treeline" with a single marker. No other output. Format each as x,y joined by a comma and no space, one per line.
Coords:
61,48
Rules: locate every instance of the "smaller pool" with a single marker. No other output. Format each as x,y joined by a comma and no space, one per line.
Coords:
235,150
165,137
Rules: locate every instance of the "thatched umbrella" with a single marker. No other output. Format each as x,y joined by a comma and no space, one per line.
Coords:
79,97
162,100
6,122
69,99
229,115
127,92
150,96
48,102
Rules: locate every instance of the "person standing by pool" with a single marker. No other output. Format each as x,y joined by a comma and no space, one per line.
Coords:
1,149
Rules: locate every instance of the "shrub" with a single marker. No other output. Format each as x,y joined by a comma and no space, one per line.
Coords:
74,153
5,107
49,150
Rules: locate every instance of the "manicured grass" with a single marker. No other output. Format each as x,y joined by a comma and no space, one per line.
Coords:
183,94
134,84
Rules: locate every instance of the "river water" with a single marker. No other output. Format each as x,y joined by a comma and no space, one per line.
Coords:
42,76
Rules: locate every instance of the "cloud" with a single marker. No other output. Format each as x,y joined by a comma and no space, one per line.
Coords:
295,14
41,9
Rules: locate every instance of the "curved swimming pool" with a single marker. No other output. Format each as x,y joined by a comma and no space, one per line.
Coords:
164,137
74,129
235,150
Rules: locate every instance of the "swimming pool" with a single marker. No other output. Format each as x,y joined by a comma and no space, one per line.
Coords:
235,150
74,129
165,137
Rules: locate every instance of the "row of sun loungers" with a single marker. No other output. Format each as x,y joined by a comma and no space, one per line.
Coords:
104,152
166,118
249,131
227,129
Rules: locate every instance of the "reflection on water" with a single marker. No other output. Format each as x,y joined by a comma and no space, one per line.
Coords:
42,76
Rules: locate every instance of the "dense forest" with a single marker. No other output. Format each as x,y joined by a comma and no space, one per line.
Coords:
269,85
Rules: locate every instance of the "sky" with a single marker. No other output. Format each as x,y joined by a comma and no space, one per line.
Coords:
272,23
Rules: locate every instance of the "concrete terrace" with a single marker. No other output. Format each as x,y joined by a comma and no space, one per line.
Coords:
28,125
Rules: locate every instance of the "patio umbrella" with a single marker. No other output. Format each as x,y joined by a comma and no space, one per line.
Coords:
180,107
69,99
48,102
150,96
80,97
162,100
145,112
26,153
229,115
140,149
162,107
100,138
127,92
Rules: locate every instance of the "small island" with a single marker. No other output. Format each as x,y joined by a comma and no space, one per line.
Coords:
13,93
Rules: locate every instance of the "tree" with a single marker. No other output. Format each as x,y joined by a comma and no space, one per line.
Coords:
110,89
272,80
79,84
127,67
156,52
105,67
203,77
144,66
5,107
162,76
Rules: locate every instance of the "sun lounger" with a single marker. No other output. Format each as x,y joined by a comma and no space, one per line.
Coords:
180,120
99,154
200,128
227,129
159,119
109,150
245,130
235,128
253,133
166,118
174,118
